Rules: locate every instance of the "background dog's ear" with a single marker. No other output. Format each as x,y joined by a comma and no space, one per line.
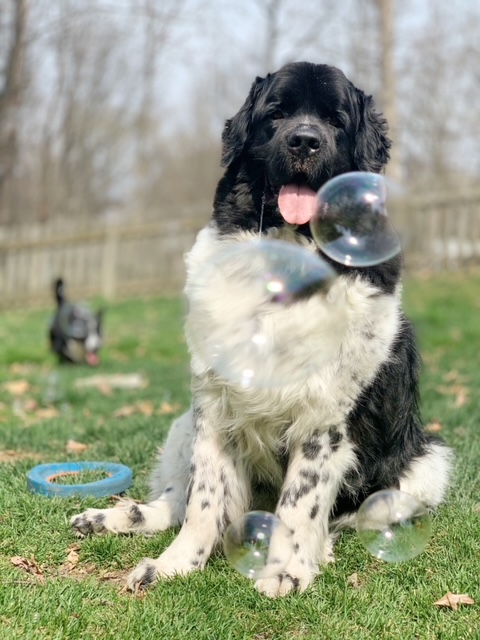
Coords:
372,143
236,130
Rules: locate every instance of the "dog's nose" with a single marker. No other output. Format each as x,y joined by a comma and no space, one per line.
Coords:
304,141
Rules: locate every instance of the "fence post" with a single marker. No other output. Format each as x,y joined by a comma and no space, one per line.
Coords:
109,263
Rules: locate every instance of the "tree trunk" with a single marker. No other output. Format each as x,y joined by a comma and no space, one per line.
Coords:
388,97
9,102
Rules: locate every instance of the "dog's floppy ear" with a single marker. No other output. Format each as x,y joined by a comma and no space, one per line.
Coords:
236,130
372,144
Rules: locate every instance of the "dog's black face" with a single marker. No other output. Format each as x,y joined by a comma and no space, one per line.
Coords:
298,128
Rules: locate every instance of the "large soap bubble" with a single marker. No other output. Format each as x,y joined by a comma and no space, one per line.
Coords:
249,308
258,544
393,525
350,224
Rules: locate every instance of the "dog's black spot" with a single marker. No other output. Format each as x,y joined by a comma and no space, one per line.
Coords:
201,551
312,447
148,577
296,547
201,486
311,477
168,490
205,505
325,477
335,437
99,519
295,581
135,515
314,511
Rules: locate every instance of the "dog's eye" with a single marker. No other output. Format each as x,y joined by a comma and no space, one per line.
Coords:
334,121
278,115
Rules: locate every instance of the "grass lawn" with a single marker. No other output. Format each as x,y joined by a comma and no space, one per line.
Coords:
54,586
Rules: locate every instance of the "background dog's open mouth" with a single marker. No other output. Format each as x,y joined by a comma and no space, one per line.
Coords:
297,203
92,359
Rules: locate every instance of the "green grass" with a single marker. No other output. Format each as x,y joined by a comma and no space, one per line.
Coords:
86,601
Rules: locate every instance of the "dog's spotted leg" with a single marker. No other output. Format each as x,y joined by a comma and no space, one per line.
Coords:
218,492
316,469
168,493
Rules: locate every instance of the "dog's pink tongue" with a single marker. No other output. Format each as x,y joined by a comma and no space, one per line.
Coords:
297,203
92,359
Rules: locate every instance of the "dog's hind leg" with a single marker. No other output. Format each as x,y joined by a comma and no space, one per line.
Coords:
168,488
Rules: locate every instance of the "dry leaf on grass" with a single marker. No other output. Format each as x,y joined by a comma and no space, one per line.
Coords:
29,566
73,446
17,387
9,455
46,413
167,407
434,427
72,559
459,391
452,600
354,581
144,407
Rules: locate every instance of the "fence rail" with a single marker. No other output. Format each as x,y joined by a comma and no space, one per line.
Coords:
148,258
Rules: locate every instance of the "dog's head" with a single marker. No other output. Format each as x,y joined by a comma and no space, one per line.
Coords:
298,128
75,331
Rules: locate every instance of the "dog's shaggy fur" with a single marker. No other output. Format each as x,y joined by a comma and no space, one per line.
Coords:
314,448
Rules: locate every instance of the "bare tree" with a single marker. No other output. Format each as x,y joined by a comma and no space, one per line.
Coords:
10,94
388,94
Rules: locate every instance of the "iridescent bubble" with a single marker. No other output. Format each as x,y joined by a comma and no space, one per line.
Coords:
350,224
393,525
249,303
258,545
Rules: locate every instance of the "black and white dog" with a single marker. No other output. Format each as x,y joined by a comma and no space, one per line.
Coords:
75,332
318,447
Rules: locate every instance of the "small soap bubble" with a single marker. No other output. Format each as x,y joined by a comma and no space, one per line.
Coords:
258,545
53,390
393,525
350,224
250,338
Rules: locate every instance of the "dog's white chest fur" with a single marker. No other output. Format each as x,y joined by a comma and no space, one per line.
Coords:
353,326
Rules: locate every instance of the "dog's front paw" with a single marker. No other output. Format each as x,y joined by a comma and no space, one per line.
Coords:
169,564
89,522
296,577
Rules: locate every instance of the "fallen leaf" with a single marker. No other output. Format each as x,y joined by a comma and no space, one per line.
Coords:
125,412
354,581
73,446
8,455
461,393
434,427
166,408
17,387
452,600
73,557
144,407
30,566
46,413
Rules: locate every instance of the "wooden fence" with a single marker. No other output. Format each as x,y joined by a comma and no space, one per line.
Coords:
109,261
148,259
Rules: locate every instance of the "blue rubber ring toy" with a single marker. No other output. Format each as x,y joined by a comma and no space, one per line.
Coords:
41,479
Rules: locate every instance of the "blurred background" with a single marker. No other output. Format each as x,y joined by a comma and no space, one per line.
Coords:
111,113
